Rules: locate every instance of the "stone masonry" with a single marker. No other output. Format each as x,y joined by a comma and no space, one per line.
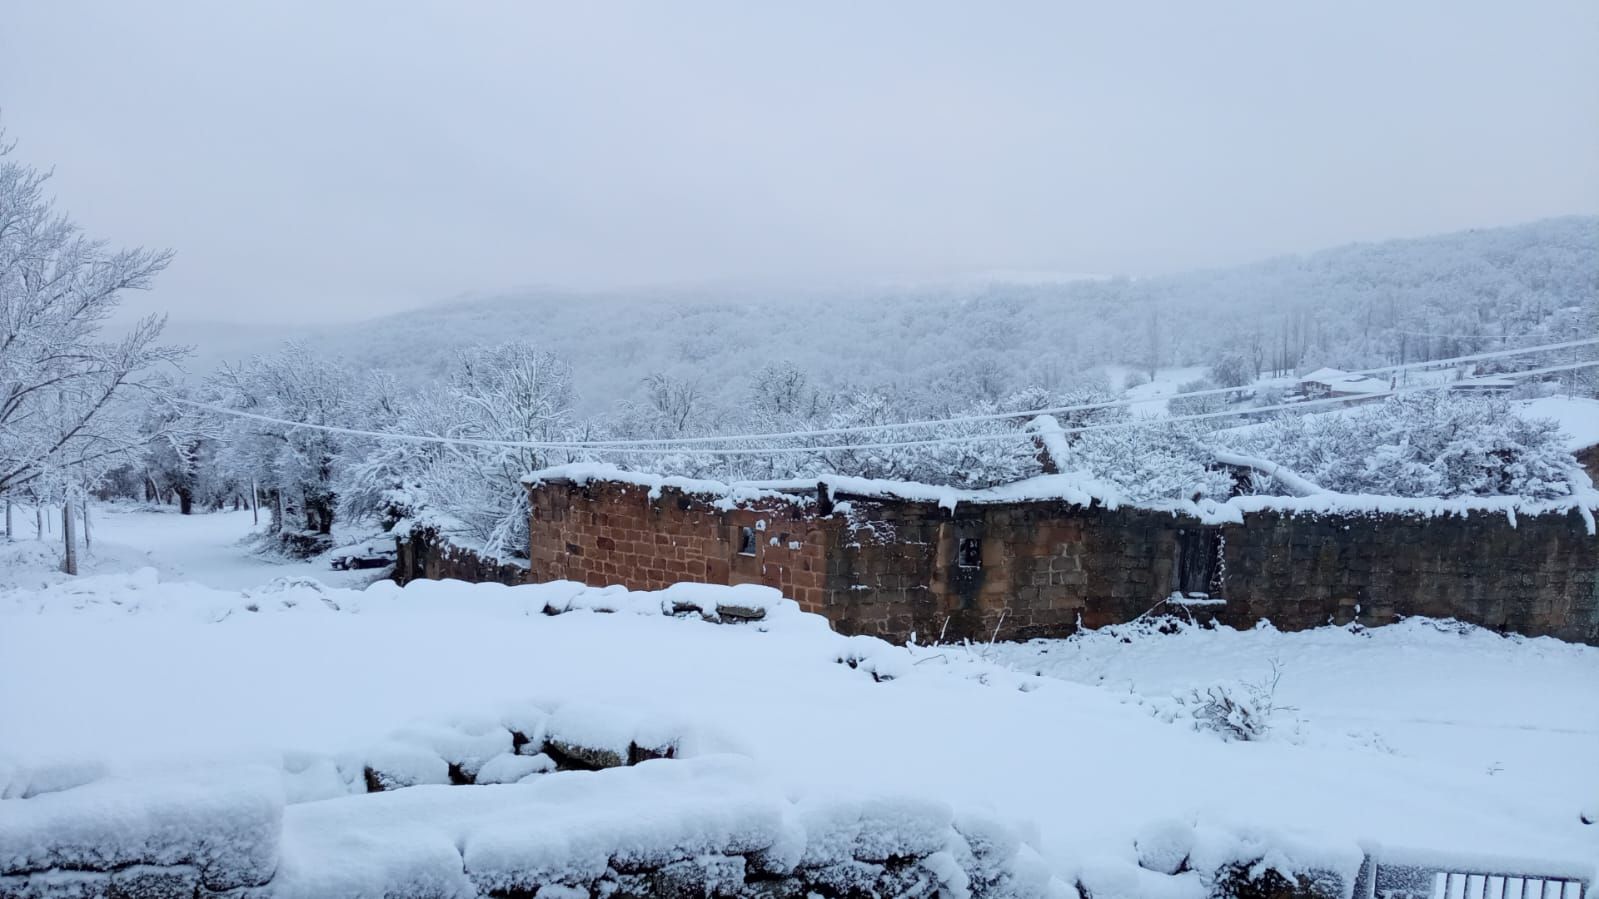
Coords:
1018,570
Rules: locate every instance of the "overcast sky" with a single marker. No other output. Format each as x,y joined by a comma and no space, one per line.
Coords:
344,159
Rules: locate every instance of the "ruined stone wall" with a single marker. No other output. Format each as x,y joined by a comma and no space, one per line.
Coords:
1538,575
425,554
1013,571
614,533
1009,571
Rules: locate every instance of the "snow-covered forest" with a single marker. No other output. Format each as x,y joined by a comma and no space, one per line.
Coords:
90,409
946,344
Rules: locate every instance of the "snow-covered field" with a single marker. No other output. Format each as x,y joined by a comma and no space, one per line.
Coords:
1415,735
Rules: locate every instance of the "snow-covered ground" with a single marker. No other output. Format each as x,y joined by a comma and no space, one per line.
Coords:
1152,394
1414,735
211,549
1578,417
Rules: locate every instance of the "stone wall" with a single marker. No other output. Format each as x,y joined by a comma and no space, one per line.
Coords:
1019,570
1537,576
615,533
426,554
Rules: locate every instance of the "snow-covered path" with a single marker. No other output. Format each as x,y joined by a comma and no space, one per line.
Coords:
206,548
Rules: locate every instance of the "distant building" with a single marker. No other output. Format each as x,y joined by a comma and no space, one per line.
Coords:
1483,386
1333,383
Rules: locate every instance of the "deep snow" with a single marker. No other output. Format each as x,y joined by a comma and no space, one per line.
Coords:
1413,735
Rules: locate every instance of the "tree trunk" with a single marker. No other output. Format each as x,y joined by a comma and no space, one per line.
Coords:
277,510
86,529
69,558
185,501
8,520
38,522
255,502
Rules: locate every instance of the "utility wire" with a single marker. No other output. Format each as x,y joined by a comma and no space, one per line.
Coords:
649,450
686,442
1057,410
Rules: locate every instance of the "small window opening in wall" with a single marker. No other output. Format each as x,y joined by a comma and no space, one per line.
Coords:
970,554
746,541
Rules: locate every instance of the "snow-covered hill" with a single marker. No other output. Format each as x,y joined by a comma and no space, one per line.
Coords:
1352,307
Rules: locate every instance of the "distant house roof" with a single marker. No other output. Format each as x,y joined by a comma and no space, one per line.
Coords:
1488,385
1339,381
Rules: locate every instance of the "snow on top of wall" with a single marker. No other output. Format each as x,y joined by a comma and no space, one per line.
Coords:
1066,487
729,494
1078,489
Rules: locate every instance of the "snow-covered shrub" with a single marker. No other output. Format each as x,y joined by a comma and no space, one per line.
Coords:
1197,405
1420,444
1239,711
1234,712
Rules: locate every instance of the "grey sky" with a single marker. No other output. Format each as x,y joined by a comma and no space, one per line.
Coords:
339,160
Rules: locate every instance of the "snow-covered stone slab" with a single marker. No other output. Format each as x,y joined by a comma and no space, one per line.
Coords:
715,825
223,823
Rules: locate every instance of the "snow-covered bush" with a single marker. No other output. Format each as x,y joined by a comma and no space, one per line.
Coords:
1233,712
1197,405
1239,711
1420,444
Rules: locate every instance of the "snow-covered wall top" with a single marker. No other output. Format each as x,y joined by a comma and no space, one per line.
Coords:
1079,490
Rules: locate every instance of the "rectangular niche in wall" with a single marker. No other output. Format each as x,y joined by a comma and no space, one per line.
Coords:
969,552
1199,561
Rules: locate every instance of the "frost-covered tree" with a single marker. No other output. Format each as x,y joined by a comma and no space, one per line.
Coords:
70,398
297,467
506,394
181,456
1232,369
1422,444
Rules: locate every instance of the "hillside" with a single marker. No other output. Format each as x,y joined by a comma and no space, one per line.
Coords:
1354,306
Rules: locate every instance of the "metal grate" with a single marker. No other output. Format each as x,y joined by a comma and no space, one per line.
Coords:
1483,885
1391,879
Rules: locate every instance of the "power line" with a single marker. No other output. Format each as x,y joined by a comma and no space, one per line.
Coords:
1446,336
933,441
666,443
1056,410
